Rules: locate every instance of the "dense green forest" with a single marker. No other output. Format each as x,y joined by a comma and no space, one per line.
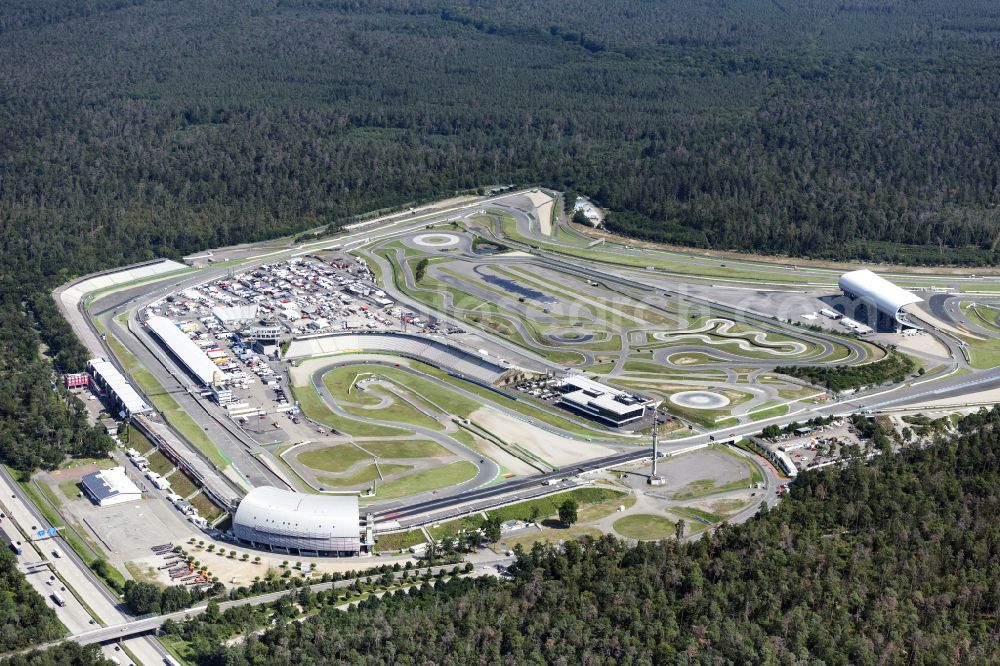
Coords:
140,128
64,654
893,368
894,562
24,618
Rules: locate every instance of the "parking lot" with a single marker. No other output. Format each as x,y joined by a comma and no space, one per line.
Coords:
241,320
822,446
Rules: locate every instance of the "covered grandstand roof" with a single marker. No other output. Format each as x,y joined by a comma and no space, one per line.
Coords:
286,513
115,382
887,296
193,358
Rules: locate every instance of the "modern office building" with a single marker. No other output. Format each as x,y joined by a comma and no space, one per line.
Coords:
603,403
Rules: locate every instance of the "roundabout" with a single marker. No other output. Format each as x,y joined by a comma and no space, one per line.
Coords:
435,240
700,400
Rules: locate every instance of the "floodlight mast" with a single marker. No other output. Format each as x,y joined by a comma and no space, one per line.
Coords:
654,478
656,441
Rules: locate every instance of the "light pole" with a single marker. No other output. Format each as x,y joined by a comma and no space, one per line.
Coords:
654,478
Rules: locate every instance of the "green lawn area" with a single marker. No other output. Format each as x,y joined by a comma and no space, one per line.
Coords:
797,393
159,463
102,463
453,527
433,393
728,506
768,412
548,506
398,411
365,474
706,417
439,477
692,512
336,458
982,315
399,541
340,381
598,510
71,489
181,484
312,405
644,527
206,509
410,448
139,442
194,433
985,354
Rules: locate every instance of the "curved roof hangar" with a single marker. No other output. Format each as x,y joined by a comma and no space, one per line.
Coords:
885,295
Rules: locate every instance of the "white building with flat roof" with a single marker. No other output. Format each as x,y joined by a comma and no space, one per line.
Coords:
117,387
602,402
110,486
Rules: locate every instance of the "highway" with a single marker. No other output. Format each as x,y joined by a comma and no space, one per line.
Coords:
82,584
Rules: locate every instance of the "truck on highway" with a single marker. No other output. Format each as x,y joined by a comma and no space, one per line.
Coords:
17,549
57,599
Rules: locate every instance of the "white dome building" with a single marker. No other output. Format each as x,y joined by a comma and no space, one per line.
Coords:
298,523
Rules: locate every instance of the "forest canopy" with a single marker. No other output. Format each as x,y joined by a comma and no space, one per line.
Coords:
888,562
140,128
